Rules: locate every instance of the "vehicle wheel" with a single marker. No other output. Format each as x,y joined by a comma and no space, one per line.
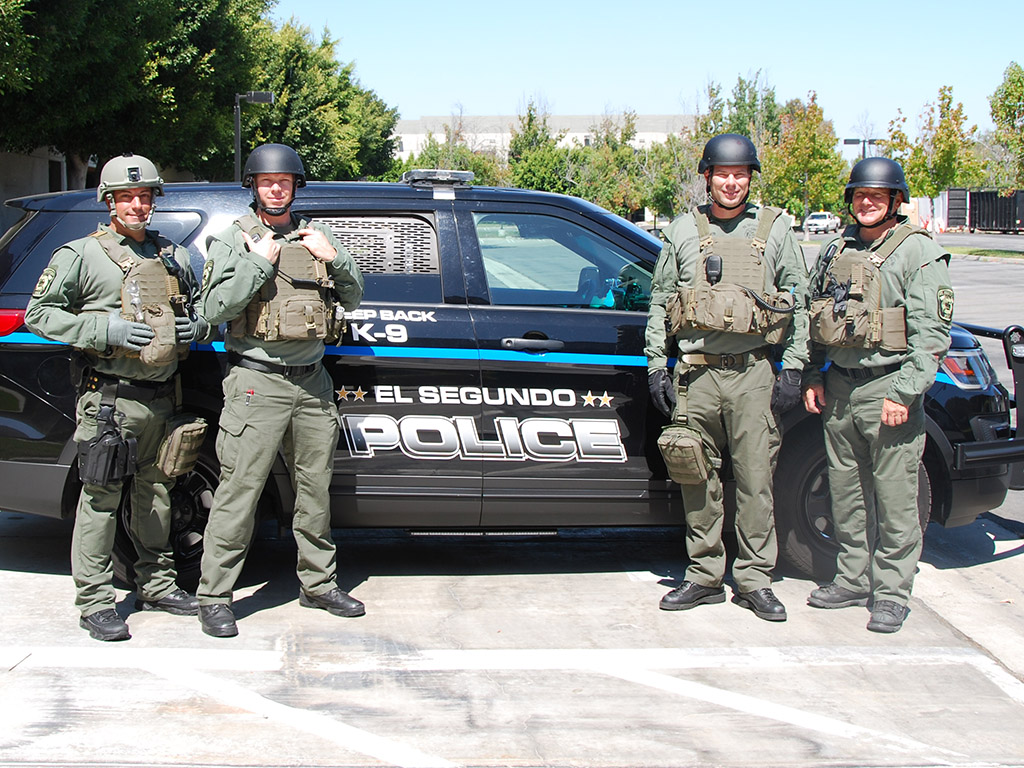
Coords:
191,500
803,505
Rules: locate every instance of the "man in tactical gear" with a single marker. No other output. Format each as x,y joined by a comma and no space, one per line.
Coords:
881,307
282,284
730,281
122,297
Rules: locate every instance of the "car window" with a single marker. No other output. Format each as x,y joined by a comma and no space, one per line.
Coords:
537,260
397,254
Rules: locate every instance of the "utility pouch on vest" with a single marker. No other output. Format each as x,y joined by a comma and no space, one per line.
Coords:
723,307
151,293
302,317
109,457
179,450
163,349
683,451
776,324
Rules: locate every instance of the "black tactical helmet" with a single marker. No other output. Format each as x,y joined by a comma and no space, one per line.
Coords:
729,149
880,172
274,158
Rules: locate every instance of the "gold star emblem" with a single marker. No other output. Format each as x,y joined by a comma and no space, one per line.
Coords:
343,393
606,400
588,399
359,394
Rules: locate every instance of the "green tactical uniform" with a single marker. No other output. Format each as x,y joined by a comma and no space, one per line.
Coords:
729,402
290,401
75,295
872,468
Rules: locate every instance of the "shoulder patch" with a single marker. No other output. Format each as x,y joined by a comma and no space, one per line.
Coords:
43,284
945,308
207,271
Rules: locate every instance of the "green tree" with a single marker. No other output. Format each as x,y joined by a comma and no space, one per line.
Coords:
341,130
943,155
1007,106
804,171
535,161
753,111
998,161
151,77
607,171
668,171
455,154
14,47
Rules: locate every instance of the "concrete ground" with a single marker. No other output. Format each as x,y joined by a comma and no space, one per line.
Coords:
481,651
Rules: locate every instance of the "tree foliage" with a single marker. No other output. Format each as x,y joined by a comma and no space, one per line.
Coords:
535,161
607,172
804,171
14,47
159,77
152,77
943,155
454,153
753,111
1007,107
341,130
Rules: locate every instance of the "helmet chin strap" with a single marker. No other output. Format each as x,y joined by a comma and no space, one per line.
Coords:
890,211
271,211
721,205
130,227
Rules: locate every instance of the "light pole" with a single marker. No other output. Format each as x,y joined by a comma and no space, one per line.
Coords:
253,97
863,145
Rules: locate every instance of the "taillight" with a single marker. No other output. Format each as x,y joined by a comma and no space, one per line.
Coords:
968,368
11,320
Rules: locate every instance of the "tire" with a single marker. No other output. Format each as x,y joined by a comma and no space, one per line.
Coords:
191,500
803,504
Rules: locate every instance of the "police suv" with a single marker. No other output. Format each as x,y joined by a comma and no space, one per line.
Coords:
492,379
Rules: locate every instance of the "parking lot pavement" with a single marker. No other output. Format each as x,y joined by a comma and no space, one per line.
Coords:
481,651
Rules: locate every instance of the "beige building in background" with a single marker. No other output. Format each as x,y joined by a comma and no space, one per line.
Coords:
492,133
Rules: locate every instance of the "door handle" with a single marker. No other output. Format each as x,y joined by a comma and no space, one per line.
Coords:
532,345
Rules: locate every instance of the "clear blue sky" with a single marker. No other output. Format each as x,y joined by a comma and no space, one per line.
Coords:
481,57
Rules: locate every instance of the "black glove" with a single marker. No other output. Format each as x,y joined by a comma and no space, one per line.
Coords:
786,392
187,330
128,333
663,392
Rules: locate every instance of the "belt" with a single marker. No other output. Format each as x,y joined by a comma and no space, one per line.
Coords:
724,361
128,389
290,371
863,374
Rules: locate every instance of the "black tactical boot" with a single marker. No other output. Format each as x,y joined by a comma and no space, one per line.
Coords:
179,602
218,620
763,603
690,594
334,601
105,625
834,596
887,616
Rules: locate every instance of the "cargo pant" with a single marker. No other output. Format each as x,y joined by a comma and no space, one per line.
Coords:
96,515
261,412
732,408
872,474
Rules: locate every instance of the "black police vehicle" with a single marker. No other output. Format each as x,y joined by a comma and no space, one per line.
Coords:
492,379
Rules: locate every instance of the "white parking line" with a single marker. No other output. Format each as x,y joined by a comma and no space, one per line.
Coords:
648,667
314,723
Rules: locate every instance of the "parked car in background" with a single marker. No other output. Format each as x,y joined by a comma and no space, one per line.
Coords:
493,378
822,221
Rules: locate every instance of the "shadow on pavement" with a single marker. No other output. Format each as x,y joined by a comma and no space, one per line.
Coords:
988,539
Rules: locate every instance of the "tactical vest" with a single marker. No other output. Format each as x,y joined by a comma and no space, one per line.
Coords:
727,294
153,292
297,304
846,308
